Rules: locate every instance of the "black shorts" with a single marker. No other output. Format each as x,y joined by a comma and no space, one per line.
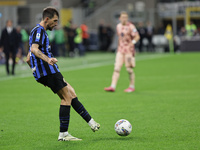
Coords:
53,81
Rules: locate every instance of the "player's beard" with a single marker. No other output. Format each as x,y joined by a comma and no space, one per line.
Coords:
50,28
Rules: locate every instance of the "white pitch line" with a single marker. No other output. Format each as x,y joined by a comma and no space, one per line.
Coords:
84,66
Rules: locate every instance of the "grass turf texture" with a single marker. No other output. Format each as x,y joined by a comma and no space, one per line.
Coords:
164,109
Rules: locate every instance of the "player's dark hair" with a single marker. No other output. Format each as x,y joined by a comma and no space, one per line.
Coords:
49,12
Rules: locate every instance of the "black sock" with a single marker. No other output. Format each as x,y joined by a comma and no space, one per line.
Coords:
79,108
64,116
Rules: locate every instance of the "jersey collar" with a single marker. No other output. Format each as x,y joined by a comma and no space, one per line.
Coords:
40,26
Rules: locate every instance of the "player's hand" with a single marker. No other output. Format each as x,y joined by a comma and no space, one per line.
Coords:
52,61
134,42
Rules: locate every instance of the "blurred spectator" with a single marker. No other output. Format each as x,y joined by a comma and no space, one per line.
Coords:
85,36
93,41
20,51
25,39
68,25
149,35
182,32
161,29
102,32
71,33
110,34
142,33
78,41
105,38
176,45
191,29
9,43
60,40
51,36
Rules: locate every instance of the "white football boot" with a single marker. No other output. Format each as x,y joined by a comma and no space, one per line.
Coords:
67,137
95,126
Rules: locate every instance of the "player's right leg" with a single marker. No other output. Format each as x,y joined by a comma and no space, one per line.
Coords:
64,115
80,109
119,60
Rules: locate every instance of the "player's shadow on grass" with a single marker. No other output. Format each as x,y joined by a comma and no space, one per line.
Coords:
114,139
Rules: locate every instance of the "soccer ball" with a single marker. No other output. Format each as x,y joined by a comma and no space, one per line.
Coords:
123,127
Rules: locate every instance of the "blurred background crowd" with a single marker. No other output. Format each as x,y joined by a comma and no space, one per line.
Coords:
89,25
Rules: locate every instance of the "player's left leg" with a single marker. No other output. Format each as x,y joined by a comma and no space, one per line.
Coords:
130,64
80,109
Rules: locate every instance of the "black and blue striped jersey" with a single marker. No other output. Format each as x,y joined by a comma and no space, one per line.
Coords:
39,67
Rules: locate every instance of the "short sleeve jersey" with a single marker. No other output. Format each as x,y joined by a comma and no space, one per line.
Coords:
126,33
41,68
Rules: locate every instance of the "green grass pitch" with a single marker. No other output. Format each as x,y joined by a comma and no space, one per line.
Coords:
164,110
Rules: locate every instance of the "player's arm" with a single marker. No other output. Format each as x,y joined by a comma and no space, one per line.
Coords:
35,50
135,35
28,59
136,38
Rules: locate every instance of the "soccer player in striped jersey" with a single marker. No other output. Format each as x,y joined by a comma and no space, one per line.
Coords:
128,36
45,70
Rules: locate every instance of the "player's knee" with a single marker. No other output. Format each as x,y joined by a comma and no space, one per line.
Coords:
130,70
72,92
65,97
65,102
117,69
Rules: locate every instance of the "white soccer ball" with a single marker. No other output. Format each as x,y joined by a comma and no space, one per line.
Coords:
123,127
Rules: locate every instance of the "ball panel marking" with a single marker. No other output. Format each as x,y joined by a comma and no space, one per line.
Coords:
123,127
